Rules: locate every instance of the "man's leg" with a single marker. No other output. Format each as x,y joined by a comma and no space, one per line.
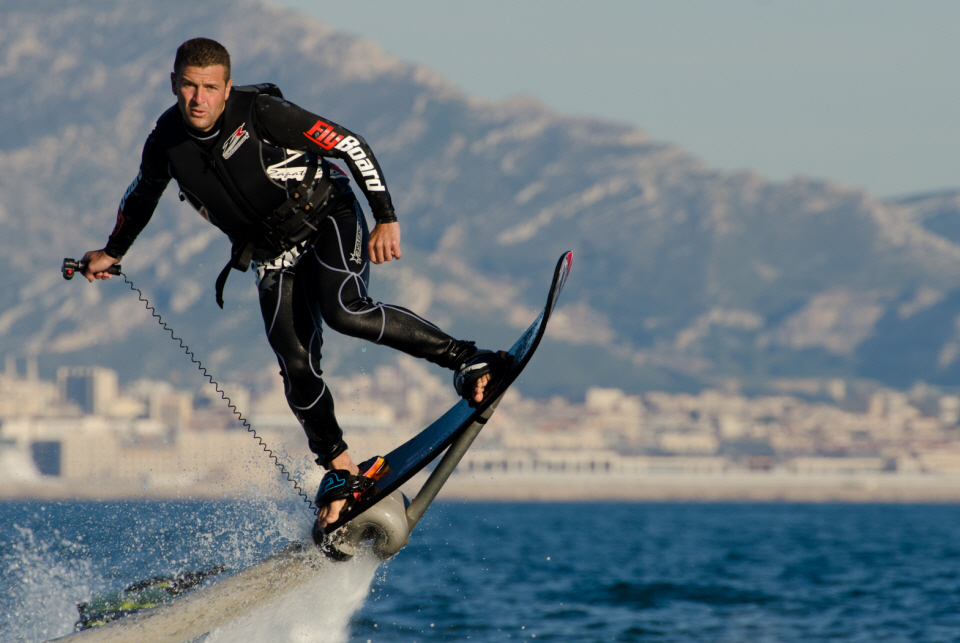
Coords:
337,271
292,323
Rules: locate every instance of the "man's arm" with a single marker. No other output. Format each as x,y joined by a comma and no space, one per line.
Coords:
292,127
136,209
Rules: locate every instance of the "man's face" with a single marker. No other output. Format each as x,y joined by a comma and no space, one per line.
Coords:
201,94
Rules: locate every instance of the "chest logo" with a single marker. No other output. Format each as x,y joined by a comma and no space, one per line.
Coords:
235,141
282,171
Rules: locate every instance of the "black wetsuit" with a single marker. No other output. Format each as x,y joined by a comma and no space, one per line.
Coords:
249,165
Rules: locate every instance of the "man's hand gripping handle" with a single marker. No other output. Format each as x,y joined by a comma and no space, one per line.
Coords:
72,266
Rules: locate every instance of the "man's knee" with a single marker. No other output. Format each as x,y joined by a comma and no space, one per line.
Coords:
356,318
300,367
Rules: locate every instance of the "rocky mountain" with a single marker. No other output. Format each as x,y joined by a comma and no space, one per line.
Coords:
684,276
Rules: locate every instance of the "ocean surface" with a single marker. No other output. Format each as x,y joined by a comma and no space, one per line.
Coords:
522,571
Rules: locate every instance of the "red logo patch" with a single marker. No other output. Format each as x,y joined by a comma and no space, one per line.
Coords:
323,135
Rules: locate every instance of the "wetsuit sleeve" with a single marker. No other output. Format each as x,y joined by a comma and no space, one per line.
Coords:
293,127
140,199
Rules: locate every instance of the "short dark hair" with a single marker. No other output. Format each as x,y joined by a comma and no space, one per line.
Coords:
201,52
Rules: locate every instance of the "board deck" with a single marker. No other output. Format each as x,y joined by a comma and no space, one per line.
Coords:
409,458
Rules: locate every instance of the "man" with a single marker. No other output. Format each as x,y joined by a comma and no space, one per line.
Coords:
258,168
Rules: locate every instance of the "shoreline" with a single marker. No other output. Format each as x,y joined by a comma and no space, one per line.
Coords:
515,487
721,487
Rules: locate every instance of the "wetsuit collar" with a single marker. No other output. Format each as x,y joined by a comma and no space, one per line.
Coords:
210,135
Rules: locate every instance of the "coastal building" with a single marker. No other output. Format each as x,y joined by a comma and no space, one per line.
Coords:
87,433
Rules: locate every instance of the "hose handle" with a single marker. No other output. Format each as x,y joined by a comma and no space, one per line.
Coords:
72,266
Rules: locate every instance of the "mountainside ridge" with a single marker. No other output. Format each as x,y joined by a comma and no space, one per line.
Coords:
683,275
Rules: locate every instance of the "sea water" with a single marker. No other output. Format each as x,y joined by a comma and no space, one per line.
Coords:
520,571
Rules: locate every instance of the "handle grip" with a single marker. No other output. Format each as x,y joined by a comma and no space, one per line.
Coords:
72,266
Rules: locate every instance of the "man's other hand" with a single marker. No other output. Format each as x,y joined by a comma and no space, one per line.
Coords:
384,244
95,263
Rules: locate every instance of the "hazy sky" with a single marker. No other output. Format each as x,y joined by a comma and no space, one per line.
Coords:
862,92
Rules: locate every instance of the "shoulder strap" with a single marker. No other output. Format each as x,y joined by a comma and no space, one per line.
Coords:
263,88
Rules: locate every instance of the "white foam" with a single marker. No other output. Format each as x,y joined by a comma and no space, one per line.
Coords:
41,586
318,612
42,578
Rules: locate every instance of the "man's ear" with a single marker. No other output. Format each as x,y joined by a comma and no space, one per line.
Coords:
173,82
226,94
